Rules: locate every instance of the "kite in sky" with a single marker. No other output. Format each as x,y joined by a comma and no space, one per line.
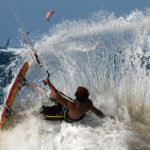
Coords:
48,15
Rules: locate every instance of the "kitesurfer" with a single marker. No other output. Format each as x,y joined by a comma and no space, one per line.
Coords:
65,109
75,110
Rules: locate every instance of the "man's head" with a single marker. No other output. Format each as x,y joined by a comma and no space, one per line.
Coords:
82,94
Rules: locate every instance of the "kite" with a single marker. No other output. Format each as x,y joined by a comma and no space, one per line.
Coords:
48,15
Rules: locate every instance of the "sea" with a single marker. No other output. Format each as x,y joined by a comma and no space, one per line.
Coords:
107,54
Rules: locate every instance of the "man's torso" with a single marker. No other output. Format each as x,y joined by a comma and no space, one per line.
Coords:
79,109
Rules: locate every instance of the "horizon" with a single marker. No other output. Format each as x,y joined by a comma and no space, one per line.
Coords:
34,20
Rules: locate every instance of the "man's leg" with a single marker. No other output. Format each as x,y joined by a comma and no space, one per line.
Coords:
52,112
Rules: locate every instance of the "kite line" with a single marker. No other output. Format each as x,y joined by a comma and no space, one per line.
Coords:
26,39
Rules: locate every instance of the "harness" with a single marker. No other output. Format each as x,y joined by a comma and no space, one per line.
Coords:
63,115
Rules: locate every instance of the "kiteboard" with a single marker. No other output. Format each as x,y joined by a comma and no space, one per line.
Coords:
12,94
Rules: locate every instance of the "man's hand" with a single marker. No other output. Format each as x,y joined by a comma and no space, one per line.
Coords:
46,81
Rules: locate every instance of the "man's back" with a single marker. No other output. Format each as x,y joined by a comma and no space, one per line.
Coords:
77,109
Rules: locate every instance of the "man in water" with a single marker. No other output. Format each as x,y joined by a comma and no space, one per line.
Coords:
78,108
65,109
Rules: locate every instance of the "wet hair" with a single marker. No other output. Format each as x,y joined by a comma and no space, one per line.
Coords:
82,94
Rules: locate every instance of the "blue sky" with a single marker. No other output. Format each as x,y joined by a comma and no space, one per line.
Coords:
32,13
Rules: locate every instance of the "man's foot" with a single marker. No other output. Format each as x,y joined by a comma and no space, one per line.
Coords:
21,81
8,112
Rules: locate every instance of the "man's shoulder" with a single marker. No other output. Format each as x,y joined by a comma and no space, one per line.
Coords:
70,104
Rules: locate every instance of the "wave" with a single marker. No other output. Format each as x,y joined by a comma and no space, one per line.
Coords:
110,56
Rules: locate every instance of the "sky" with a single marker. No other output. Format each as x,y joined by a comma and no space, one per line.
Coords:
32,14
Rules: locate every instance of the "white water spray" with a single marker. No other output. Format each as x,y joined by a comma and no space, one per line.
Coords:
108,55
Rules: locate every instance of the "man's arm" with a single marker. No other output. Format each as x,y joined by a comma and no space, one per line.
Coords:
66,103
97,112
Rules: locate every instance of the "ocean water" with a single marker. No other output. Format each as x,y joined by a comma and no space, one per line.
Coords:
107,54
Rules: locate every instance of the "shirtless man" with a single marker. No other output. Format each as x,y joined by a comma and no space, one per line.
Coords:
77,109
65,109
